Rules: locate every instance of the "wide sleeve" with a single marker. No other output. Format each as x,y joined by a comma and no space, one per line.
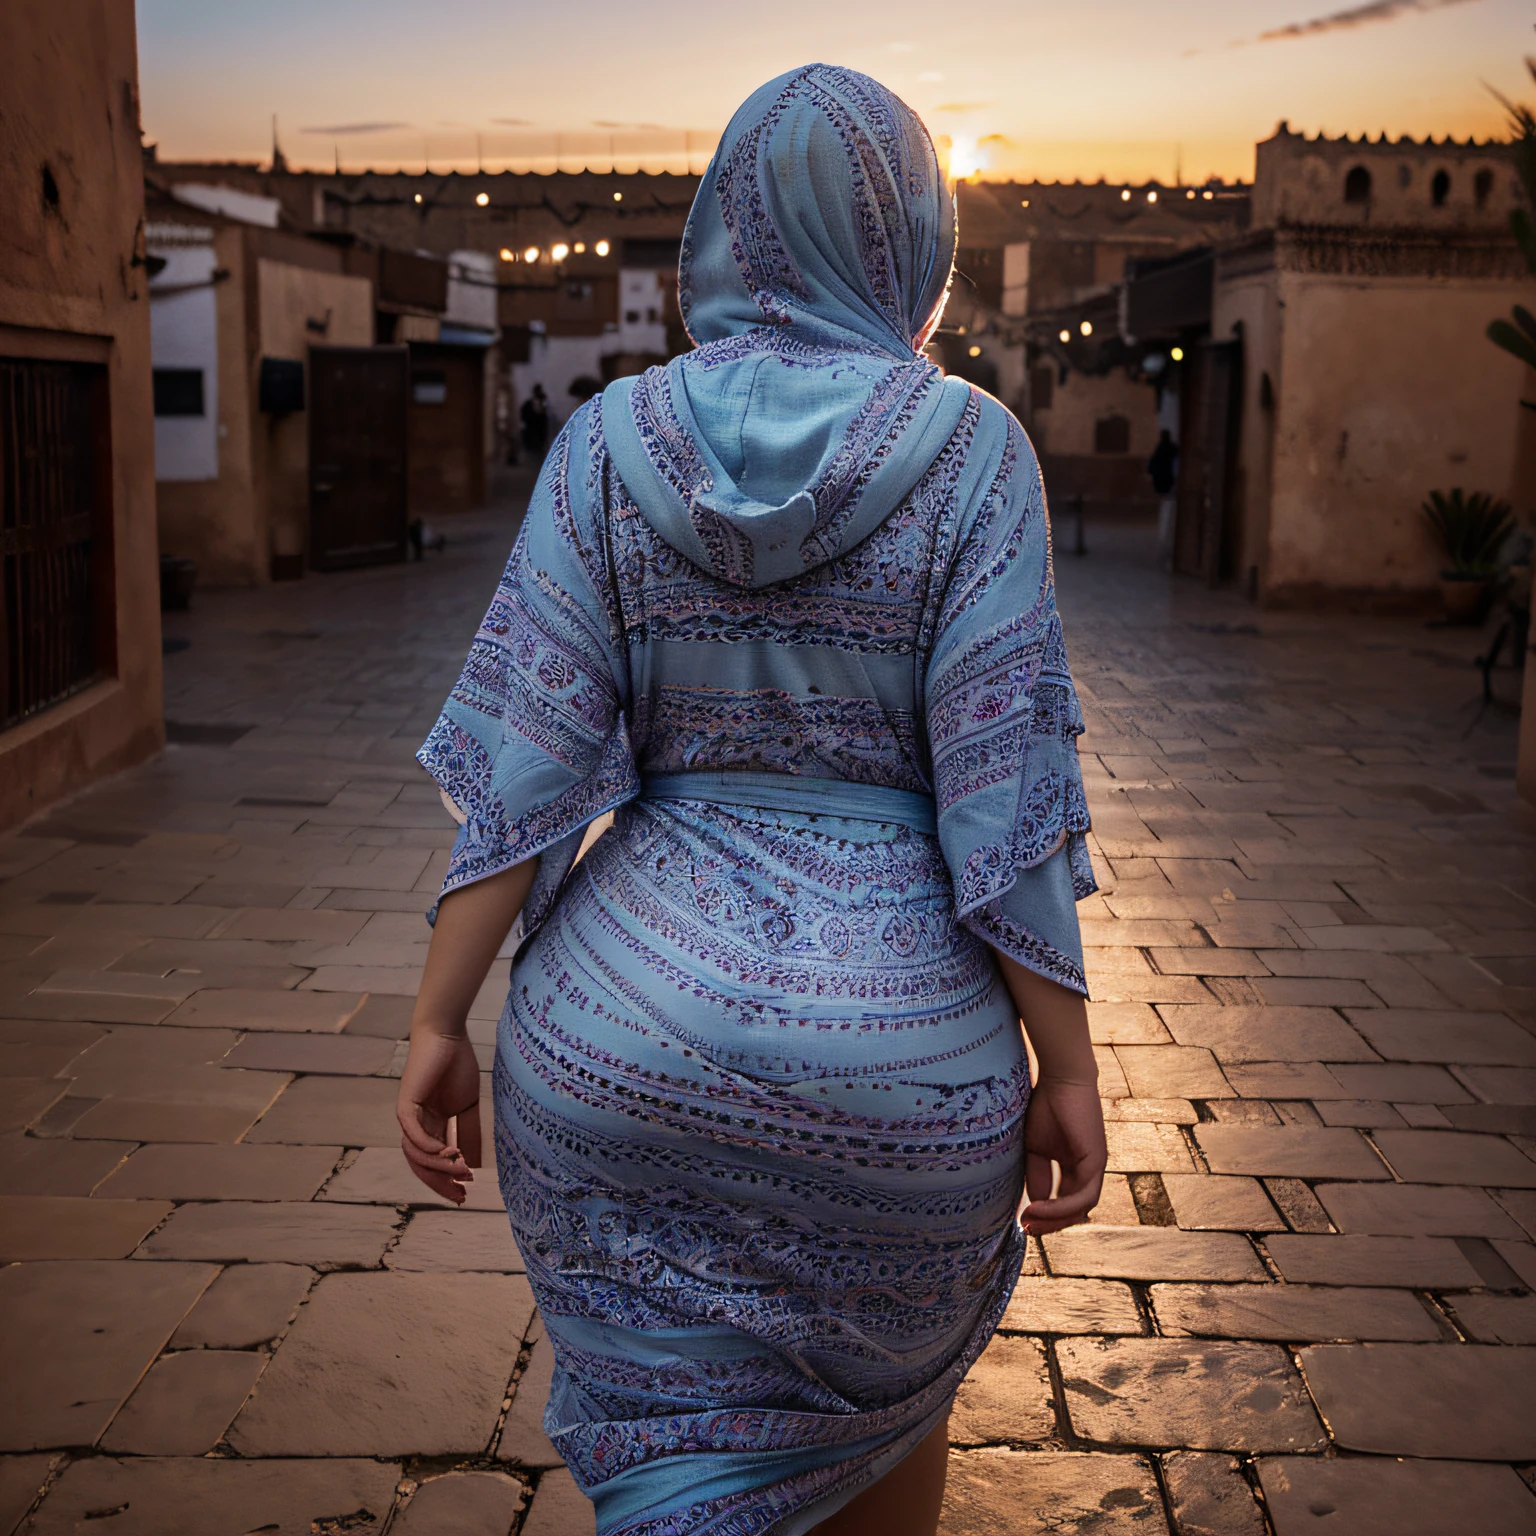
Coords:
1003,722
532,743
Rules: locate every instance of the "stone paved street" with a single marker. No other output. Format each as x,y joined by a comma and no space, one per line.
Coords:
1305,1305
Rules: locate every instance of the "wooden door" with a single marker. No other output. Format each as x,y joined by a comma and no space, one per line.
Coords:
447,428
357,455
1209,418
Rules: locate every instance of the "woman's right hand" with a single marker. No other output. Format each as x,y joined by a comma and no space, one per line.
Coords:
441,1084
1064,1124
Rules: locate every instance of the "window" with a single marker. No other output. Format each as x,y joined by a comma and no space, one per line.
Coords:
1482,187
429,386
56,625
1357,185
179,392
1112,434
1440,188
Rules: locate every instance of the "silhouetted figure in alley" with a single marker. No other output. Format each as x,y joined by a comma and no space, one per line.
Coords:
1163,466
535,414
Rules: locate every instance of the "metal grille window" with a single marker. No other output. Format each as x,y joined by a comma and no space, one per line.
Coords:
53,518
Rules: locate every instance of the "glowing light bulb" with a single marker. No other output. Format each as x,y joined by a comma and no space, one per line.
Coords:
1125,196
975,352
507,255
1086,327
559,252
1190,194
580,247
602,247
1177,354
417,198
531,254
1024,203
618,197
1208,194
1151,197
1064,337
482,199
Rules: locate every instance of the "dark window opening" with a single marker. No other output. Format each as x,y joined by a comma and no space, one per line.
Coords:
179,392
50,190
1440,188
1357,185
1482,187
1042,385
55,534
429,386
1112,434
280,385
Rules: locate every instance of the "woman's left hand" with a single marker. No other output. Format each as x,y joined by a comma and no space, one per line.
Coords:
441,1084
1064,1124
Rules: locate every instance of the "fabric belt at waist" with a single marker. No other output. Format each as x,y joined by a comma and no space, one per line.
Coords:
788,792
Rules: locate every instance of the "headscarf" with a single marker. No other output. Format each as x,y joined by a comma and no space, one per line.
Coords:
814,267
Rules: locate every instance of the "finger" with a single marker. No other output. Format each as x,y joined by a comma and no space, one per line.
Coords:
1039,1176
443,1160
424,1152
411,1117
423,1127
439,1183
1062,1211
466,1130
428,1168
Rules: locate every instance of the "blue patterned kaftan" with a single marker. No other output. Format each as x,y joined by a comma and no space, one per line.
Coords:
786,606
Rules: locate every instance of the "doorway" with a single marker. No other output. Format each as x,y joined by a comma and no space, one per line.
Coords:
357,455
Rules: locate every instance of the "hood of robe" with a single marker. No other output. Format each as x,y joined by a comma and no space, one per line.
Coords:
815,266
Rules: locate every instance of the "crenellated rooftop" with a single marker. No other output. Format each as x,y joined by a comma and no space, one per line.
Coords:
1444,184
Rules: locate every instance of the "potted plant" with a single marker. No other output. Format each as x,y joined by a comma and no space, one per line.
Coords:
1472,530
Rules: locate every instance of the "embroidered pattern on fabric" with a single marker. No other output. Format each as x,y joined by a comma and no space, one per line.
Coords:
683,729
771,277
1027,948
656,1181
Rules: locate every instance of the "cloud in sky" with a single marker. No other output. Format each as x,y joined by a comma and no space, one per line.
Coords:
335,130
1348,19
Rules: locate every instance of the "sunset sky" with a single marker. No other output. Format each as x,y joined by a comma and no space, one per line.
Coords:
1124,89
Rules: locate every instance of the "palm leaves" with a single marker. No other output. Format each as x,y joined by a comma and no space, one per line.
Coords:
1472,529
1520,337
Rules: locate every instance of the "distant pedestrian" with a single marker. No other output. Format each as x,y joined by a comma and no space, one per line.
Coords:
1163,466
535,414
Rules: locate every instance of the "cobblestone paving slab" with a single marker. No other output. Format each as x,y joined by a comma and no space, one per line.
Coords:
193,1496
1313,1012
1375,1497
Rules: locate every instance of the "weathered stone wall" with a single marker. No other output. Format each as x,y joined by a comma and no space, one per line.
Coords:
1388,390
73,287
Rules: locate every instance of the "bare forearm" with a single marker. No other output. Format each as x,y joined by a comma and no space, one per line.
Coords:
1056,1021
472,923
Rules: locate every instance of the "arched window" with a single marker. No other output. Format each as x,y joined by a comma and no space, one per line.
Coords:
1357,185
1440,188
1482,187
